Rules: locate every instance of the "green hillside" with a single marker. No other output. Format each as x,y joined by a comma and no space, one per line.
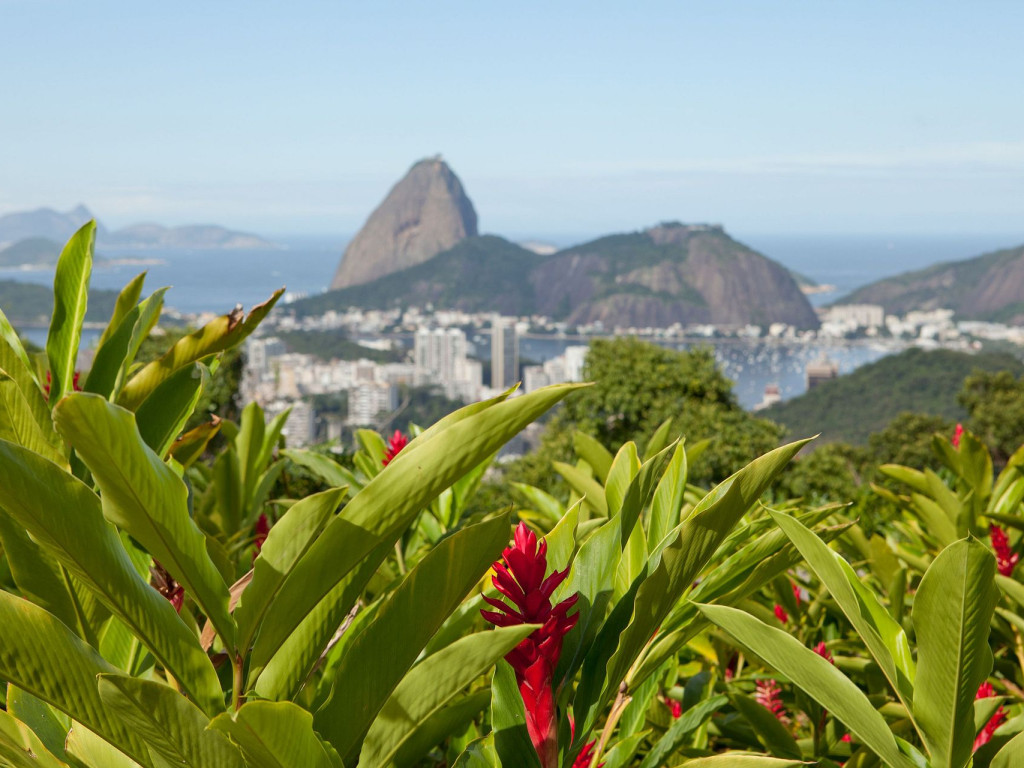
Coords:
486,273
37,251
851,407
29,303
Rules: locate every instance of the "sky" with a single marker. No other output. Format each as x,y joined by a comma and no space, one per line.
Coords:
560,118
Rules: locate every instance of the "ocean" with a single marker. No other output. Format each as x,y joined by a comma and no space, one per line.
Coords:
204,280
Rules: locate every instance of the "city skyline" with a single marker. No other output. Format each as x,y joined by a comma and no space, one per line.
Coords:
573,119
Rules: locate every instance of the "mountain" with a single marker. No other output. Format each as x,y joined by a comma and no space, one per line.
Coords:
48,224
853,406
424,214
988,287
666,274
32,251
147,236
43,223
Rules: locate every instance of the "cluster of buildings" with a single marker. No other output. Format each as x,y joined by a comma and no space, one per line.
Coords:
925,327
441,356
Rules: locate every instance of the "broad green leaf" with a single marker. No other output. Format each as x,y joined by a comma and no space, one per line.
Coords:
216,336
286,542
15,362
912,477
770,732
20,747
18,424
624,751
173,727
443,724
88,546
378,514
1011,755
479,754
620,476
740,761
688,549
639,491
512,745
884,637
324,467
378,658
190,446
44,658
659,439
952,613
118,351
818,678
596,455
937,523
584,485
541,501
668,498
430,685
37,715
276,734
126,301
70,296
145,497
692,719
162,417
89,749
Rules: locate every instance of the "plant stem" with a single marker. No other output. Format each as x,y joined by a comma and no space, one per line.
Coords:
237,682
400,557
622,700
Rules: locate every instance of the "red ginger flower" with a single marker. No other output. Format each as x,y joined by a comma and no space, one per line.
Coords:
1006,558
584,758
957,434
780,614
675,708
521,579
986,691
74,383
262,528
822,650
768,695
397,442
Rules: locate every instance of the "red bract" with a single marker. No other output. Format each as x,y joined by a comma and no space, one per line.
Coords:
49,380
780,614
822,651
165,584
675,708
796,592
769,696
262,528
521,579
1006,558
957,434
986,691
397,442
583,758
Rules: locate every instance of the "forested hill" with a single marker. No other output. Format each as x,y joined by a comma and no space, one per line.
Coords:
672,273
853,406
988,287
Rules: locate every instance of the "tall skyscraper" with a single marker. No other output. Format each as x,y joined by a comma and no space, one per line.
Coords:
504,353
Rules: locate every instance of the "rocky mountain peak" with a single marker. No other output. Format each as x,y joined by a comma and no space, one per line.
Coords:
425,213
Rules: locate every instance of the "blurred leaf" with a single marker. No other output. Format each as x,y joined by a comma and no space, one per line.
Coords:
770,732
70,296
683,726
596,455
276,734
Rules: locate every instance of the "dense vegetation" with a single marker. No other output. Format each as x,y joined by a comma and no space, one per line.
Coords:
334,345
30,303
854,406
160,606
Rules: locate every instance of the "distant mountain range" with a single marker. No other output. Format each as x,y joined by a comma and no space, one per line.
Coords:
28,231
419,247
988,287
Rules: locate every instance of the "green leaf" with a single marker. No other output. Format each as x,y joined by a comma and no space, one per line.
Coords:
450,721
20,747
37,715
286,542
430,685
770,732
126,301
1011,754
659,439
668,498
32,493
216,336
512,743
163,415
378,514
70,296
596,455
884,637
146,498
620,476
324,467
117,353
44,658
15,362
37,575
541,501
584,485
89,749
276,734
683,726
815,676
378,658
18,424
173,727
740,761
952,613
691,546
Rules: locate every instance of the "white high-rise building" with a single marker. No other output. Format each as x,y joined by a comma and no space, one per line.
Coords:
504,353
368,398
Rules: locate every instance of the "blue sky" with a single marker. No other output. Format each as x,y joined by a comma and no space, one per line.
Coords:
560,118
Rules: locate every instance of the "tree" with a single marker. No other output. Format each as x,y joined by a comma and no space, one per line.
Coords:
995,402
